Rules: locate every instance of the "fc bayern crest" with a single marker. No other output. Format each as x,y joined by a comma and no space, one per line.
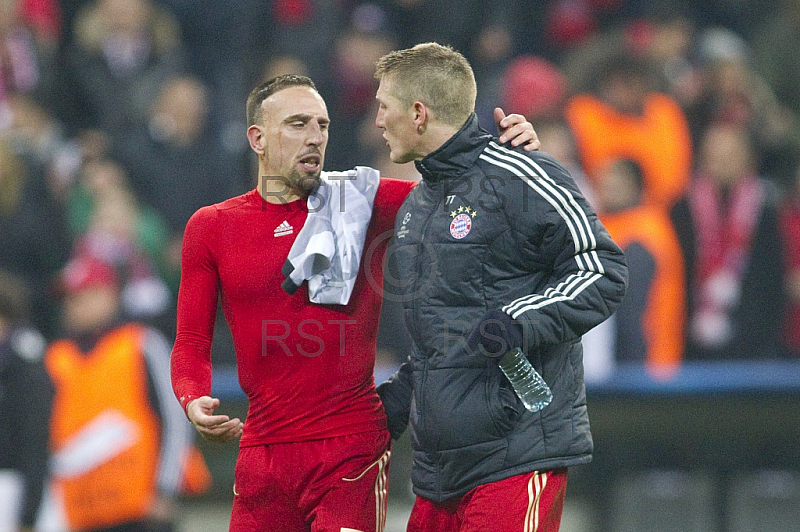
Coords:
460,226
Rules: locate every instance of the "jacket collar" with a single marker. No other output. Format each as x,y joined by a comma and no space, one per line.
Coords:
457,155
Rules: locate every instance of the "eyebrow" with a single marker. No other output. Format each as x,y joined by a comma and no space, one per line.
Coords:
304,117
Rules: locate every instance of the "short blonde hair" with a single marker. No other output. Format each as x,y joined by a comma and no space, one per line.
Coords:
435,75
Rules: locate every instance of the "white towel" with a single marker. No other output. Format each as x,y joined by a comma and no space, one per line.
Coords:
327,250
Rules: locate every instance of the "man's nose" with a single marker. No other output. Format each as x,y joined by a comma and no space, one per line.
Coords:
315,135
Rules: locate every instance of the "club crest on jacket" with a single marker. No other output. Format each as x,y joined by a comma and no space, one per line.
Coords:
462,222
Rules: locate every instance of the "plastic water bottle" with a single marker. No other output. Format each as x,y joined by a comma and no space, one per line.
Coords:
529,386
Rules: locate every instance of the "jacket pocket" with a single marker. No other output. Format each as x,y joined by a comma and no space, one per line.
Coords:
504,406
463,407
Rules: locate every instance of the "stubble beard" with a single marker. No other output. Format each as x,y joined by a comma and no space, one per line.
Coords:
303,183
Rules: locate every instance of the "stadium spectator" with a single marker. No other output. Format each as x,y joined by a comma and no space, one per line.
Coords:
666,37
26,396
561,145
649,323
50,154
628,118
727,225
34,242
775,45
226,46
108,222
790,236
660,33
483,30
122,53
733,92
176,163
122,450
357,48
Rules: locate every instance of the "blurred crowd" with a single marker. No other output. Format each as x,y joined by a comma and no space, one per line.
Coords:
119,118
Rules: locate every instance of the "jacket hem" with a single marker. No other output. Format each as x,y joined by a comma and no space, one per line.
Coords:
539,465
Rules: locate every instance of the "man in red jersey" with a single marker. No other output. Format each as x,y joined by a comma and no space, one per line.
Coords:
315,452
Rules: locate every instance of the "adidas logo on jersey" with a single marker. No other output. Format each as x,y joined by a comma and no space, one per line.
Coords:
284,229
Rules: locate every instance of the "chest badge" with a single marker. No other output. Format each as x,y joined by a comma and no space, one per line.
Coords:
461,224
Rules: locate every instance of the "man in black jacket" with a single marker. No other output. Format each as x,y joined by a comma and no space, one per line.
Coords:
495,249
26,398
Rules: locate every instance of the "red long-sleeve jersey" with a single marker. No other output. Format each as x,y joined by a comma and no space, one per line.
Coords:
307,369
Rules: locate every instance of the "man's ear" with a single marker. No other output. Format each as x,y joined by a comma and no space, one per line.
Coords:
421,115
255,135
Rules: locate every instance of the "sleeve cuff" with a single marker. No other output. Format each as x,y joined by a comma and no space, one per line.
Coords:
185,400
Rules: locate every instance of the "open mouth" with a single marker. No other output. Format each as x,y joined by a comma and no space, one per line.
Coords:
311,163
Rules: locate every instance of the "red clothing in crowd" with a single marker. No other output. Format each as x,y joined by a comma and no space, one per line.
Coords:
307,369
790,232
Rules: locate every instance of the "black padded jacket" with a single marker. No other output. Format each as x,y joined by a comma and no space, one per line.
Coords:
490,227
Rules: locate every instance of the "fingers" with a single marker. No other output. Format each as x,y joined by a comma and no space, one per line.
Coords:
504,122
521,135
204,404
499,115
210,422
532,145
218,428
516,129
221,432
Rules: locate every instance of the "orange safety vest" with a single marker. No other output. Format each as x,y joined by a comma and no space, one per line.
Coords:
659,141
102,414
665,315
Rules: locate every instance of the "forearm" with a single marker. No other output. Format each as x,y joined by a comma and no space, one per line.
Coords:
395,394
190,363
190,369
570,306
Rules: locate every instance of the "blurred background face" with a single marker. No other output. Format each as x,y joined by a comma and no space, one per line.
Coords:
559,142
179,114
127,17
619,188
671,39
725,154
101,178
626,92
90,309
115,206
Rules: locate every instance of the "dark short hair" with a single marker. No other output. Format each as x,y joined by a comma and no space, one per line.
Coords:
625,67
270,87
